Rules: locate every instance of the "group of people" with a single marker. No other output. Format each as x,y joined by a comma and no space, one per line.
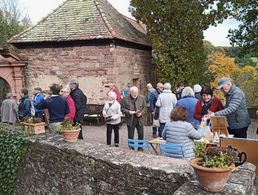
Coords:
70,105
178,115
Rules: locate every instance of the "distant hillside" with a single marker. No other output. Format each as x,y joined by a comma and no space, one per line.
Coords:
233,52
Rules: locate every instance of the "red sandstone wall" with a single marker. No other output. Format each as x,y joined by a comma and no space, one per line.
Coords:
93,66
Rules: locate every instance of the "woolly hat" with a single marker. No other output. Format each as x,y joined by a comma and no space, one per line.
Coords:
197,88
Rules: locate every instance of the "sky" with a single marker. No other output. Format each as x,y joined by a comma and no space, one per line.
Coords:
37,9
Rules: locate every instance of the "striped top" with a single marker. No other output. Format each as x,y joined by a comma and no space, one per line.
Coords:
182,132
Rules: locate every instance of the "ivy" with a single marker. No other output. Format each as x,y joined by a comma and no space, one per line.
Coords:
13,145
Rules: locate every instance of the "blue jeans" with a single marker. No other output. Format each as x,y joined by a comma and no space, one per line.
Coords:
162,125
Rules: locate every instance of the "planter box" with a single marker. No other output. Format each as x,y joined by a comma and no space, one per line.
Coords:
32,128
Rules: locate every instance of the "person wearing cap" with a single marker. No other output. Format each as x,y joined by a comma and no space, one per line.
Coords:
80,101
38,97
208,103
197,91
235,109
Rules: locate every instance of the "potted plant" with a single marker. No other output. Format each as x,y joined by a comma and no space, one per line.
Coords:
33,125
214,164
70,130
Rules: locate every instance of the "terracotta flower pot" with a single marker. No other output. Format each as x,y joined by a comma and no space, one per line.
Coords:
211,179
71,135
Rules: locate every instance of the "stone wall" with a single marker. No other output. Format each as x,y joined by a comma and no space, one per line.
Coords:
52,166
92,65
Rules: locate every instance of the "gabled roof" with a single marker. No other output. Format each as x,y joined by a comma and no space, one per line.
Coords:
82,20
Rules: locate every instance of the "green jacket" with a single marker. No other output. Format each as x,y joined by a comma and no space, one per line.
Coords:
130,104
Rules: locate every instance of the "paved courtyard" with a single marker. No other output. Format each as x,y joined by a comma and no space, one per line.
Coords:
97,134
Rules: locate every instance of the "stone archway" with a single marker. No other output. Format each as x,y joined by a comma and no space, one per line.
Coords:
4,89
11,70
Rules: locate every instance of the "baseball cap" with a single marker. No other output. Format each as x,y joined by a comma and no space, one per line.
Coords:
38,89
222,81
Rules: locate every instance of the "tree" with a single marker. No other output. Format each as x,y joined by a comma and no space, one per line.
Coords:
175,29
220,65
12,20
246,36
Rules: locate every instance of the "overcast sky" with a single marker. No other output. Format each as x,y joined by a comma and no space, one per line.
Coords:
37,9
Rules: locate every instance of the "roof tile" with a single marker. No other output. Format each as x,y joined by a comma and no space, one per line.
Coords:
82,20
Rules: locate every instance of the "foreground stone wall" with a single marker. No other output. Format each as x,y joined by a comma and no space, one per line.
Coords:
52,166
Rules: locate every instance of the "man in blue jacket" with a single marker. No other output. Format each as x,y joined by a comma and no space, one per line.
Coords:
38,97
235,109
24,106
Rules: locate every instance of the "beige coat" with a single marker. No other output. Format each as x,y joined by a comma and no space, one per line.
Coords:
128,105
9,110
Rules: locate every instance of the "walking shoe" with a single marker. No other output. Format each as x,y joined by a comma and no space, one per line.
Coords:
116,145
154,136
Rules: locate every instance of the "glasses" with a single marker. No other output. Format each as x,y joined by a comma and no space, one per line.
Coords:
64,92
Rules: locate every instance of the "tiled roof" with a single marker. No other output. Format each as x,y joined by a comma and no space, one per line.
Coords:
82,20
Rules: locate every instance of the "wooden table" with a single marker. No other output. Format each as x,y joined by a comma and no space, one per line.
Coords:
155,144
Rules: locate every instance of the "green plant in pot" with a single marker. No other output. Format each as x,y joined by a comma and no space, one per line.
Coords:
213,165
70,130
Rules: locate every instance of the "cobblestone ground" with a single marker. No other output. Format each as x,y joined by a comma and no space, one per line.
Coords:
97,134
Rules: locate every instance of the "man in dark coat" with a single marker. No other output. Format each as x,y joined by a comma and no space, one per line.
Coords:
134,106
80,101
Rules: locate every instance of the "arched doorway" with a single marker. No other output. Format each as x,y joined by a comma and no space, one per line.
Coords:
11,73
4,89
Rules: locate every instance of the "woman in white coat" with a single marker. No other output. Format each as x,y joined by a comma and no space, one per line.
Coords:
166,102
112,114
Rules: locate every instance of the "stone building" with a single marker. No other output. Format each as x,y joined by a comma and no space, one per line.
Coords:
87,40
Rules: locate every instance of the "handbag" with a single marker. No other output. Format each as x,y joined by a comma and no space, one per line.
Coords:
108,119
155,123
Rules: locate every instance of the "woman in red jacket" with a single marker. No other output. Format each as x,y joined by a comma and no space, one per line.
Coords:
66,94
206,104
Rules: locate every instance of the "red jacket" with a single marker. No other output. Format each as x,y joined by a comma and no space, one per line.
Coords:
215,106
71,106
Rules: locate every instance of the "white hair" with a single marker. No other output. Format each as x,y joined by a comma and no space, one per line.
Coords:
112,94
187,91
134,89
9,95
66,88
167,86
